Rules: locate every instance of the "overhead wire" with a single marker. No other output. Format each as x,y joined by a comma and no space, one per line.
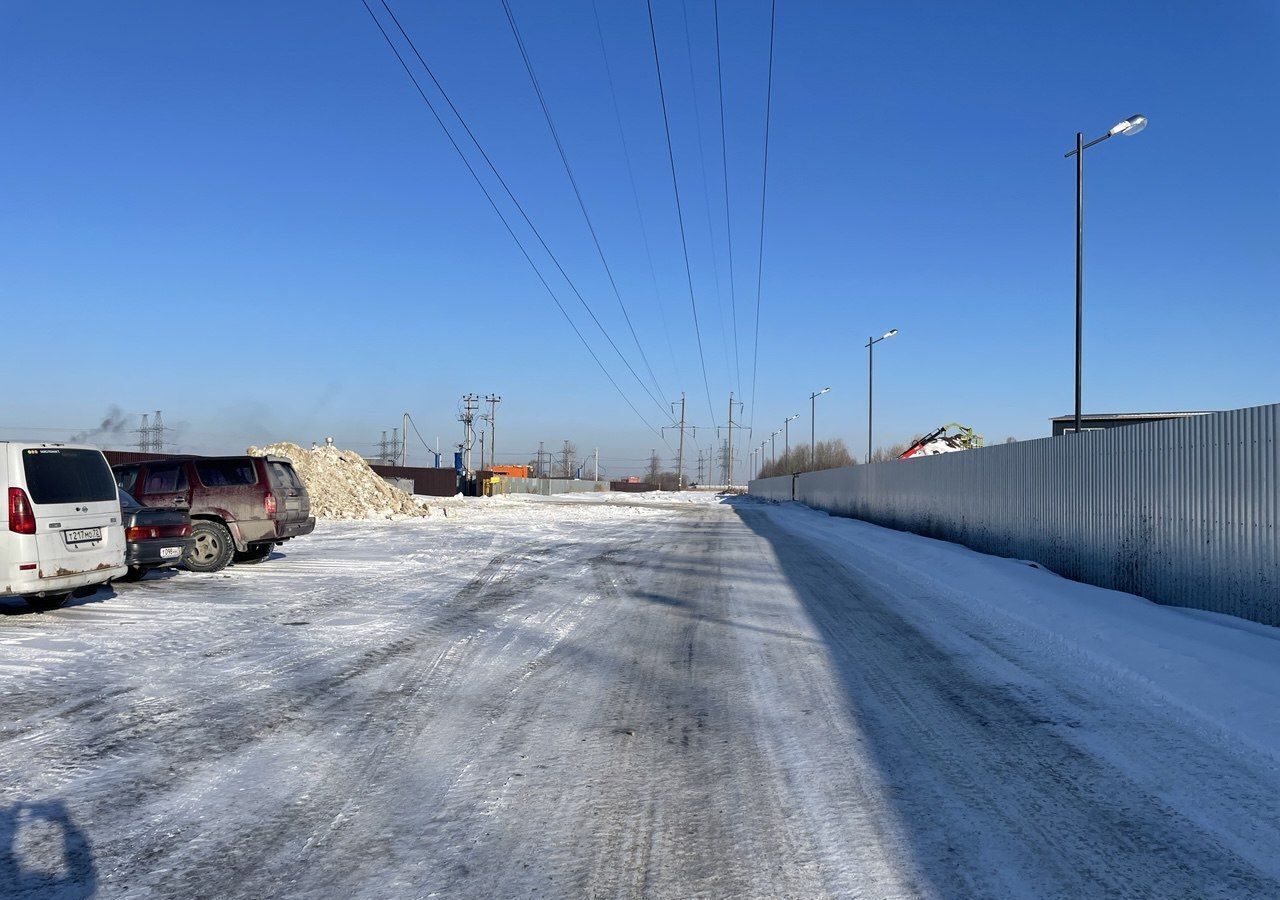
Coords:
510,194
728,226
577,192
635,191
706,190
493,203
764,190
675,184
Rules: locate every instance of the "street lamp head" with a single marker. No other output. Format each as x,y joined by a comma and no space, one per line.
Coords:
1129,126
824,390
888,334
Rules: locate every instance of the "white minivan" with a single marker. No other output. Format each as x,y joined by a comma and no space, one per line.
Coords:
64,530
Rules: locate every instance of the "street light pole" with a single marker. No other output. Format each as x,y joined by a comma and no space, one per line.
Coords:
1129,127
871,343
813,426
786,436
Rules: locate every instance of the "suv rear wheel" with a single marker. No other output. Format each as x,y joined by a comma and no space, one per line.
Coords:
211,549
255,554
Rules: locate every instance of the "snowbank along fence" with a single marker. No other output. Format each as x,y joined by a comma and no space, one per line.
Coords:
1182,512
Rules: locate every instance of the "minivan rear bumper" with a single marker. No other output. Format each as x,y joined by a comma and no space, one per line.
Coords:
59,584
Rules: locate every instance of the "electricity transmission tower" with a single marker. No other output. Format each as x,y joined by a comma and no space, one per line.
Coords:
151,434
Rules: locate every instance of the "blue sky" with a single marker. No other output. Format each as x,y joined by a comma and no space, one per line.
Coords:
243,214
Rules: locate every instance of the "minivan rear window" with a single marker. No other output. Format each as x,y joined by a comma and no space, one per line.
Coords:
66,475
225,472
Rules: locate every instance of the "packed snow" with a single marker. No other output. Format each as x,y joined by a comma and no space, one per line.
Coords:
658,695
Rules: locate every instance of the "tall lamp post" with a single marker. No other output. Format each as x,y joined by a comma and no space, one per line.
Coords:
813,428
1129,126
773,447
786,436
871,343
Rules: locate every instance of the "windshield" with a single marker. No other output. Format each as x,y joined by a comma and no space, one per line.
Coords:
127,501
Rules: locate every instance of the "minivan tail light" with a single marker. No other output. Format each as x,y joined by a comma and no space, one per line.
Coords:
21,518
269,504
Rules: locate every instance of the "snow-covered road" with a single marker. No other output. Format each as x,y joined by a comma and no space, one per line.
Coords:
626,697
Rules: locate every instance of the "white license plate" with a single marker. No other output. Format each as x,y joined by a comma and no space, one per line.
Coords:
82,535
170,552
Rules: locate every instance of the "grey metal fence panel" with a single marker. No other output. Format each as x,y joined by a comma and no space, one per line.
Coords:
548,486
1183,512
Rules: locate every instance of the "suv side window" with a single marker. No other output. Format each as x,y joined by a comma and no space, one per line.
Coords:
225,472
125,477
165,479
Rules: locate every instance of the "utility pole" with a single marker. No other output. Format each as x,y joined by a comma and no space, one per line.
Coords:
729,446
680,453
541,473
482,448
597,454
493,400
404,447
470,403
566,460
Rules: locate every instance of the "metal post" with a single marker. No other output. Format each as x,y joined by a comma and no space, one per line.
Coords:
680,452
404,442
813,428
871,345
1079,270
729,451
597,478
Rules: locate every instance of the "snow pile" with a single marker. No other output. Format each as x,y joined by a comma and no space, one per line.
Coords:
341,484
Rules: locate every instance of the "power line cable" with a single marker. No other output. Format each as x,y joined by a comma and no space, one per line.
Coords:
675,184
728,227
577,192
501,216
764,189
706,189
635,191
519,207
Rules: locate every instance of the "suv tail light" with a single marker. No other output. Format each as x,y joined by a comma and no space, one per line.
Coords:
269,504
21,518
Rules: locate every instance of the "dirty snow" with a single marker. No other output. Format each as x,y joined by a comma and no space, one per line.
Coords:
644,695
340,483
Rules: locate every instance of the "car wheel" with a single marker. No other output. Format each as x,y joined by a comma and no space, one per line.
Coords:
135,573
211,548
48,601
255,554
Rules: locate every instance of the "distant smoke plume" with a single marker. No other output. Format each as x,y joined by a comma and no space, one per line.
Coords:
115,429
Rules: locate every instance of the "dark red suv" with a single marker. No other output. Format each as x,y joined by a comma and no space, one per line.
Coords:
240,506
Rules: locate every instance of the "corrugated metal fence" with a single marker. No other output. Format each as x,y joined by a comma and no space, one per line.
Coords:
1182,512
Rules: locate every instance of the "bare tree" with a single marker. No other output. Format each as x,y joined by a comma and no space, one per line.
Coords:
831,454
